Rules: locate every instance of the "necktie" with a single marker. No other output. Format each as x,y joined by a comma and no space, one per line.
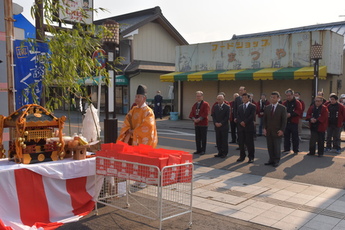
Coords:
244,107
272,111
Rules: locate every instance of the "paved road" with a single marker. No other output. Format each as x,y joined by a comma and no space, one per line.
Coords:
304,192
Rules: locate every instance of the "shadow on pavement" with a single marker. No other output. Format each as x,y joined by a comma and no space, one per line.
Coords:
307,165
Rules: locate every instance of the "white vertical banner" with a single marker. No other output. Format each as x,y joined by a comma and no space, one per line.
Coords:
111,90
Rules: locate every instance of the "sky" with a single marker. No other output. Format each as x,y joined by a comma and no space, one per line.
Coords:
200,21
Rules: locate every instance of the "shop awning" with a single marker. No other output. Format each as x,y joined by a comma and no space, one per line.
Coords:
293,73
120,80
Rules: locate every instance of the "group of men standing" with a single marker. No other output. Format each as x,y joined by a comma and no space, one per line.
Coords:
277,120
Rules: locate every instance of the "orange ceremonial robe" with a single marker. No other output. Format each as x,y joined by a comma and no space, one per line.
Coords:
143,123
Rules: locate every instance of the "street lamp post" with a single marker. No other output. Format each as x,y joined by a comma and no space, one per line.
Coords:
316,55
111,43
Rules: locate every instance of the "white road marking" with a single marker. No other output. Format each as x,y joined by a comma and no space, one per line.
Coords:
173,132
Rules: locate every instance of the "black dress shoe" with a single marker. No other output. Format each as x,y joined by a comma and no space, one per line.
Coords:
202,153
269,163
196,153
250,161
223,155
240,159
217,155
311,154
275,164
233,142
320,155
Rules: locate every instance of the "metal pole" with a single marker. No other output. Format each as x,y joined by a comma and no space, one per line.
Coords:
99,95
116,54
316,75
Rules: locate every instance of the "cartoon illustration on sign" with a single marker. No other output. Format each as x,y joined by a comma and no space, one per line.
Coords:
185,63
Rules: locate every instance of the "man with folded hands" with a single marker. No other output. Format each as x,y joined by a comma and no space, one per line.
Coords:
139,126
220,115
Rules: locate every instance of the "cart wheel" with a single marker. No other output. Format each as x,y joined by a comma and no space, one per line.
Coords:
96,213
128,205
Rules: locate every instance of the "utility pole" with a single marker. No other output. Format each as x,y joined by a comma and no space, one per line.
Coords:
39,21
40,35
9,53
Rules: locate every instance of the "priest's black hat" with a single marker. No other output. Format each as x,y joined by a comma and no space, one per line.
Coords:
142,90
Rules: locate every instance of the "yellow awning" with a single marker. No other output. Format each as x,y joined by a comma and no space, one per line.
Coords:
292,73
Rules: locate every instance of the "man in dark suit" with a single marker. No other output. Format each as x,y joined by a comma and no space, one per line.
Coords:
275,117
158,99
245,126
220,115
237,102
294,114
232,121
260,108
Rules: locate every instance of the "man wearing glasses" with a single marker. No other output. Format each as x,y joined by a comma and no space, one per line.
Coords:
317,116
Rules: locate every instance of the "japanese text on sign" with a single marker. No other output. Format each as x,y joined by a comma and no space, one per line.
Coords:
240,45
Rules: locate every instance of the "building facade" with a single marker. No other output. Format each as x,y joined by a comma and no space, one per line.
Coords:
262,62
147,44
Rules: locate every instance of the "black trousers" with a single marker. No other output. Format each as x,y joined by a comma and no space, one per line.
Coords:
319,139
333,136
273,146
158,111
291,132
233,127
222,134
246,139
201,138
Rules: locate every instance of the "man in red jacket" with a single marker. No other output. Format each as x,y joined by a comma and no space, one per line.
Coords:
294,111
199,115
317,116
336,117
298,97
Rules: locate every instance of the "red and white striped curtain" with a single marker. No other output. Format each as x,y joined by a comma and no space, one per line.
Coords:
47,194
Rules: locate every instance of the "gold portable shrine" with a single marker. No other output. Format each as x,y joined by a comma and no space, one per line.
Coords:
33,126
